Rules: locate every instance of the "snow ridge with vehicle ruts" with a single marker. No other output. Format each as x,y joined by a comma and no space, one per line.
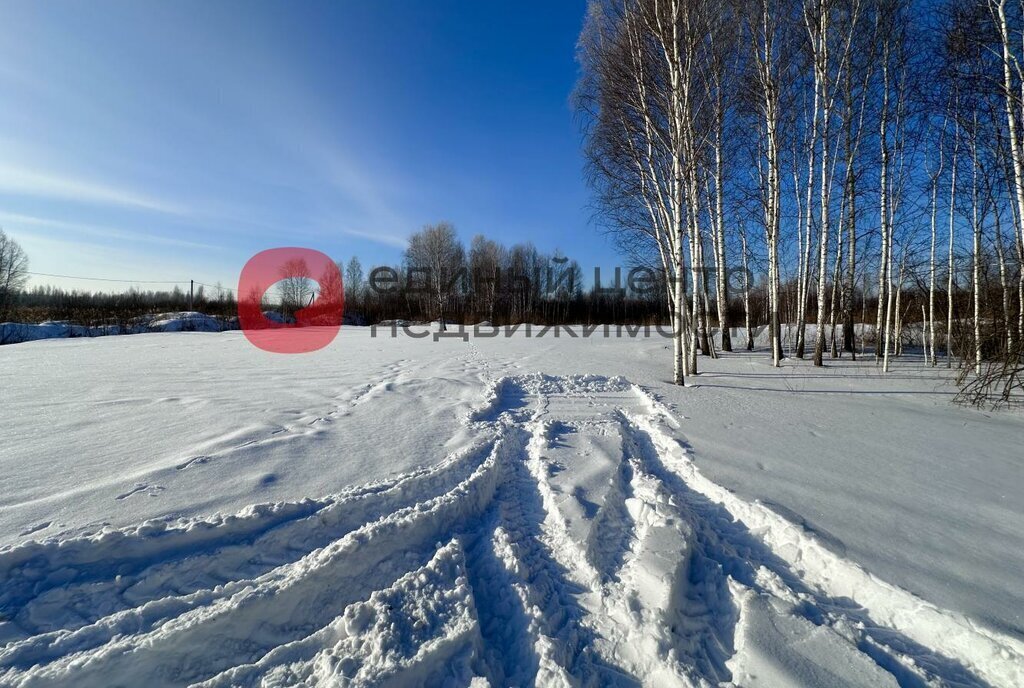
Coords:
571,541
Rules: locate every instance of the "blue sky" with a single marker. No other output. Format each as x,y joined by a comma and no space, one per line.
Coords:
173,140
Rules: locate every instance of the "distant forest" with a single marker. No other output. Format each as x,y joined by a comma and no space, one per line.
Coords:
441,279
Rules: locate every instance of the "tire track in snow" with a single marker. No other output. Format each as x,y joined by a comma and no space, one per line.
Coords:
531,623
179,640
631,578
120,569
913,640
425,621
572,543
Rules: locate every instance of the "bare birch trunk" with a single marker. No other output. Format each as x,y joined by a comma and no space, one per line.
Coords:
804,269
951,277
1008,60
679,333
746,291
763,54
1004,282
898,314
925,325
1020,292
885,268
976,258
930,356
820,37
718,223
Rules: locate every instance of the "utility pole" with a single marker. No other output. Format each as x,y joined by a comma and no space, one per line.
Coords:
191,291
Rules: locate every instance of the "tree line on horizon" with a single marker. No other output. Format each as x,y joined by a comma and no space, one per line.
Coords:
440,279
437,280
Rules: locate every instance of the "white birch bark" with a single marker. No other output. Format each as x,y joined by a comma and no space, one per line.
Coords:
951,274
1011,105
930,354
746,291
976,257
1004,283
885,268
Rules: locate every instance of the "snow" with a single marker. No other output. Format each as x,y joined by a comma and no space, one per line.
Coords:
184,321
14,333
187,509
178,321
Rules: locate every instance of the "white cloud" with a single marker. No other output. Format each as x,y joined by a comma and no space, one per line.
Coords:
24,221
27,182
378,237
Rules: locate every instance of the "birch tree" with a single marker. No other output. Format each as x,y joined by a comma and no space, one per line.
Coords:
13,272
436,253
935,175
818,19
950,268
746,290
633,145
1012,90
766,38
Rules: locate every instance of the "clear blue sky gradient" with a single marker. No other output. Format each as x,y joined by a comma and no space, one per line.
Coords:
172,140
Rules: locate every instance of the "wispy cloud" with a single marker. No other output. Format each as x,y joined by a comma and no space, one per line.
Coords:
29,182
72,256
378,237
27,221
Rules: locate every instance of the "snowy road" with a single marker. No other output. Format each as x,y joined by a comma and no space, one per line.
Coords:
563,536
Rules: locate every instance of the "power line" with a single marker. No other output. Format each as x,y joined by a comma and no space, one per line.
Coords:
128,281
214,286
105,279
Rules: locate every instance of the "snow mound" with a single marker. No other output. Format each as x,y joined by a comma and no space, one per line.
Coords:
183,321
15,333
180,321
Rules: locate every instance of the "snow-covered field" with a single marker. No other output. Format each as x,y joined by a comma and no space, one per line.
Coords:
185,508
